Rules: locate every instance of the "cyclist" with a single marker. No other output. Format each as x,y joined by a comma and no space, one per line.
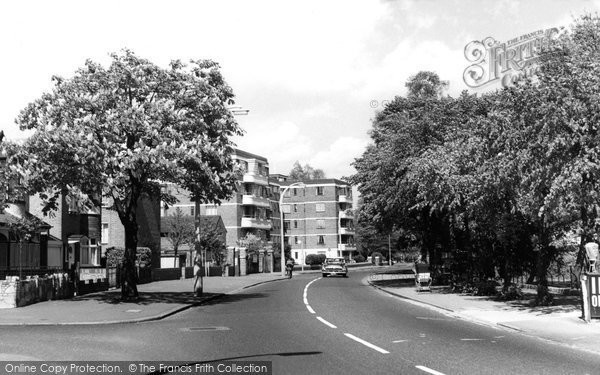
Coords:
289,265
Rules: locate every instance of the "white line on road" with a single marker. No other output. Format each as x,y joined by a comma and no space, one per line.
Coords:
326,322
471,339
397,341
366,343
305,296
427,369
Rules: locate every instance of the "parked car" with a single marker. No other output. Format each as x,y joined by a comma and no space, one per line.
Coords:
334,267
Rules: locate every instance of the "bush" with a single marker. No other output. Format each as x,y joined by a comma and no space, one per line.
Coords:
511,293
481,288
114,256
315,259
359,258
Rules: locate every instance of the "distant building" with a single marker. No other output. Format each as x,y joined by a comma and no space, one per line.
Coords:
249,210
318,218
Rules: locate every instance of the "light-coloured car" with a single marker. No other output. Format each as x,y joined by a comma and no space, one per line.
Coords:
334,267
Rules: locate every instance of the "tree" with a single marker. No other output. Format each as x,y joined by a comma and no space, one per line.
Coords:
119,131
307,172
181,230
211,241
425,84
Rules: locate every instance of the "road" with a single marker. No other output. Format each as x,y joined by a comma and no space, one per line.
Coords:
308,325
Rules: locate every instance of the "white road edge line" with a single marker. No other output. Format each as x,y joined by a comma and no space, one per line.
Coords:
427,369
310,310
366,343
326,322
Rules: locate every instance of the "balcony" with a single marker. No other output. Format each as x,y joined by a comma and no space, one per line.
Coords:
346,247
252,222
346,215
346,230
253,200
345,199
255,178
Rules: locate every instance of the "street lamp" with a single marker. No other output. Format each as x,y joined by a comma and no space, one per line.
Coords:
300,184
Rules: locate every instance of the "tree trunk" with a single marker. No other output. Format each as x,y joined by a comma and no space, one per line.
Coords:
198,268
545,254
129,274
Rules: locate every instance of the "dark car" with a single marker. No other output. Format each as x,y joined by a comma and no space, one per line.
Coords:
334,267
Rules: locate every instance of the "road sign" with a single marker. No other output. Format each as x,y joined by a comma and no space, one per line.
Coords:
594,295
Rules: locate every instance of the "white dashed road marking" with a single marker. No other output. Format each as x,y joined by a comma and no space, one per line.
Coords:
427,369
305,296
326,322
366,343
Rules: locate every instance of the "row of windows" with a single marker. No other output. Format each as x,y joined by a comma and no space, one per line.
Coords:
287,208
320,240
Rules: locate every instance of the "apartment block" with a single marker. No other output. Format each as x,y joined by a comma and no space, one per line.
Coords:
318,218
250,208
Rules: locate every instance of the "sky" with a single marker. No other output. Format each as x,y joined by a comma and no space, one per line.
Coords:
312,74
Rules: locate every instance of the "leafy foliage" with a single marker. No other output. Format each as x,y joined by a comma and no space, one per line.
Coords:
305,172
315,259
116,132
496,180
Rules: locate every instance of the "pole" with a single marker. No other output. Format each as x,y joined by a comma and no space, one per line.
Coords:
390,249
281,224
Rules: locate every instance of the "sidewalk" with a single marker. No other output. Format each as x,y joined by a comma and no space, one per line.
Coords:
560,323
157,300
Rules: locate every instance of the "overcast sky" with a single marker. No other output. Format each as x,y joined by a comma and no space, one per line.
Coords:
312,73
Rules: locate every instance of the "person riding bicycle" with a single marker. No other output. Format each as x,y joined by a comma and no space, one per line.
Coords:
289,266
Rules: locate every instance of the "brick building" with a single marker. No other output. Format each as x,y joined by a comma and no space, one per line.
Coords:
249,210
318,218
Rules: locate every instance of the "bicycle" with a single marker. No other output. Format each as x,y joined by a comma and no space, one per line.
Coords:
288,271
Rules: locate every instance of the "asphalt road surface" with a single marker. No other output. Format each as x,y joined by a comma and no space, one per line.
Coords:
308,325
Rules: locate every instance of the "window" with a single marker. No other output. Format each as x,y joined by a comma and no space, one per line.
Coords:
296,240
320,207
295,208
104,234
211,210
296,224
285,209
286,225
295,254
319,190
192,211
320,224
320,240
295,192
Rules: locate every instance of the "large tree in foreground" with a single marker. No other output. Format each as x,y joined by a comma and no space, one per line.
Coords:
118,132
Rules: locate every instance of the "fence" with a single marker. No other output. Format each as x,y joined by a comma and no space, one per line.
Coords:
27,271
562,281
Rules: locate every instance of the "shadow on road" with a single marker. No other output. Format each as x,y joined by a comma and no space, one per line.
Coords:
147,298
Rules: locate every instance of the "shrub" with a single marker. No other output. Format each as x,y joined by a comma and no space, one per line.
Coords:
359,258
511,293
315,259
114,256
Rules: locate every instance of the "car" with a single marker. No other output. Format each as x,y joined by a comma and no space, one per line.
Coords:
334,266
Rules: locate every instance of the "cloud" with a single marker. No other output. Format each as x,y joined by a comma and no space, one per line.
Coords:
336,159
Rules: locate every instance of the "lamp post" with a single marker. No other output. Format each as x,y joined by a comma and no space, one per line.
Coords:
301,184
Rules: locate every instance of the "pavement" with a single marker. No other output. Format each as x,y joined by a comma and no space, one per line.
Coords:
157,300
561,323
